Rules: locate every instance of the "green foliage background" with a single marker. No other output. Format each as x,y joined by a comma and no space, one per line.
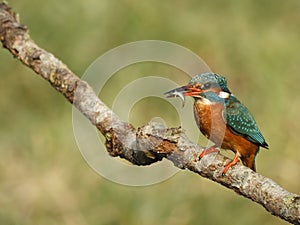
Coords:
43,177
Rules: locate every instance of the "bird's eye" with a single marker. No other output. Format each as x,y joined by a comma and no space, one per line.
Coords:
206,86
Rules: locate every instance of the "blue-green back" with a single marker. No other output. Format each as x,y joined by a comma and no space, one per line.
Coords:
241,122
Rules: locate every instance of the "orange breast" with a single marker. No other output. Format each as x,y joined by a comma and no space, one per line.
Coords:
211,123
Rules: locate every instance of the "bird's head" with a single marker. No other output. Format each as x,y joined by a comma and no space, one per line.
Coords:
202,84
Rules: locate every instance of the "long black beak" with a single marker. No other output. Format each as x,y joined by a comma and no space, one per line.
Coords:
183,91
187,90
178,92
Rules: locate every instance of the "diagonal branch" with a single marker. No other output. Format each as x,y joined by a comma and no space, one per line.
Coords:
147,144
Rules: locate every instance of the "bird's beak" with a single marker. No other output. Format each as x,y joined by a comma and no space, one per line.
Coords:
187,90
183,91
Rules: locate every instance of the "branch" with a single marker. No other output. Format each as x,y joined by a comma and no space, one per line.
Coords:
147,144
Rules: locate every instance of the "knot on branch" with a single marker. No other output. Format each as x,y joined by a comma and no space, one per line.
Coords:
163,142
155,137
146,145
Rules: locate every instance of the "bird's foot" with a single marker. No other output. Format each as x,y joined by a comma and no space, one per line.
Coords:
208,150
231,163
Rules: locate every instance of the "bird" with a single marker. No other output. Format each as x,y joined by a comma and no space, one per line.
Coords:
222,118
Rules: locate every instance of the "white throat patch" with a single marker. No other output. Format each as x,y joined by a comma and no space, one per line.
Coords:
204,101
224,95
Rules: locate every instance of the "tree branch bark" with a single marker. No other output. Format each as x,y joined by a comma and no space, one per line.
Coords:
147,144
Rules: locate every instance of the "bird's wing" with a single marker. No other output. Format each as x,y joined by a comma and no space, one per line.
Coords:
241,122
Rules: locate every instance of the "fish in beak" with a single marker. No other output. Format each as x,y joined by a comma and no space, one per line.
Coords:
183,91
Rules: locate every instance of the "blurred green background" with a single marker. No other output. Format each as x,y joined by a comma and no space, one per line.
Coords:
43,177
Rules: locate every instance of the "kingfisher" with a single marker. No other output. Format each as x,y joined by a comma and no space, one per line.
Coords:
222,118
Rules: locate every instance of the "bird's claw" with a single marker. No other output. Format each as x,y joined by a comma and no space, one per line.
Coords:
208,150
230,164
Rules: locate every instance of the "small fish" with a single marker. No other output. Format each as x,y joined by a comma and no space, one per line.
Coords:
176,93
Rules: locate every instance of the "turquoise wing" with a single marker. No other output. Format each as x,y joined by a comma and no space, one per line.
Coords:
241,122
